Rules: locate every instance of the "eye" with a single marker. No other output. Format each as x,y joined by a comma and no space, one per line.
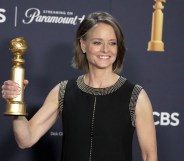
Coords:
97,42
113,43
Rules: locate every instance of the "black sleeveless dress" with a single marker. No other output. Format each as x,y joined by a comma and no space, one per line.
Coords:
98,123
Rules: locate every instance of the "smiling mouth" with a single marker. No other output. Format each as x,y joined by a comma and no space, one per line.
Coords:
104,57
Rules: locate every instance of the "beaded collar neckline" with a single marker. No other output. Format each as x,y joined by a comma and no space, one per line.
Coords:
99,91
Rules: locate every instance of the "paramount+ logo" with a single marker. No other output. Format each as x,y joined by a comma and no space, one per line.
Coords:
2,15
166,118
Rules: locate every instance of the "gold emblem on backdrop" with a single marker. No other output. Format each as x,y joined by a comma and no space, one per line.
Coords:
156,43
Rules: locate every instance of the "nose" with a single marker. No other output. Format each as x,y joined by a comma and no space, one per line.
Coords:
105,48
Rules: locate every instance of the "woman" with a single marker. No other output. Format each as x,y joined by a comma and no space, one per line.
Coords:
100,109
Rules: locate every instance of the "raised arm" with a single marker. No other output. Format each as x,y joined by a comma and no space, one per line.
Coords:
145,127
27,133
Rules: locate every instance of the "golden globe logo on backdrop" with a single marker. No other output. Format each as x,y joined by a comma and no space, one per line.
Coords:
34,15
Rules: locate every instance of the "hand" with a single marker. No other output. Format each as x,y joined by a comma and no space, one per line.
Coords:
11,89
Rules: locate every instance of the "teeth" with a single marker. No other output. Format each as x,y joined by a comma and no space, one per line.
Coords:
104,57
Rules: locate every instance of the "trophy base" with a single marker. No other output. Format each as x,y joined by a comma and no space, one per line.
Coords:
156,46
15,109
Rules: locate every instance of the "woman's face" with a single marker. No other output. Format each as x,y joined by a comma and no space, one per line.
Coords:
100,47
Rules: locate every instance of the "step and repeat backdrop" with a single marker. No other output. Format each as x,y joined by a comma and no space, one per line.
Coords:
49,29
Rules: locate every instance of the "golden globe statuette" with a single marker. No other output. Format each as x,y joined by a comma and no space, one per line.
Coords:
16,106
156,43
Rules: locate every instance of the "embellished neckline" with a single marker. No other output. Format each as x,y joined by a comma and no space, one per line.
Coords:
99,91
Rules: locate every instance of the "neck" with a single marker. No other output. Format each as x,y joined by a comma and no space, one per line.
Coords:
100,79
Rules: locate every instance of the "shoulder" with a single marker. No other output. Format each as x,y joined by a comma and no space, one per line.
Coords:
130,83
140,105
135,92
58,88
134,88
143,100
139,92
143,107
64,83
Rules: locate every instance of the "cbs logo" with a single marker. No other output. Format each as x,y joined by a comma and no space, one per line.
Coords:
166,119
2,15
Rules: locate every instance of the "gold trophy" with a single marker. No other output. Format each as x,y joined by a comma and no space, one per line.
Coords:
16,106
156,43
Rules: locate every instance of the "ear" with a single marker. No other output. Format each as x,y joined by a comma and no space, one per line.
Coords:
83,45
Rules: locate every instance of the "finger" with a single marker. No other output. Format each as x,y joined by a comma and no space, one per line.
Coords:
10,87
11,83
25,82
9,95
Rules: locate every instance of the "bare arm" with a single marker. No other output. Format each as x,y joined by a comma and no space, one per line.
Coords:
145,128
27,133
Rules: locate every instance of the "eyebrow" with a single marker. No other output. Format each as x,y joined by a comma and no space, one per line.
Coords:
102,39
